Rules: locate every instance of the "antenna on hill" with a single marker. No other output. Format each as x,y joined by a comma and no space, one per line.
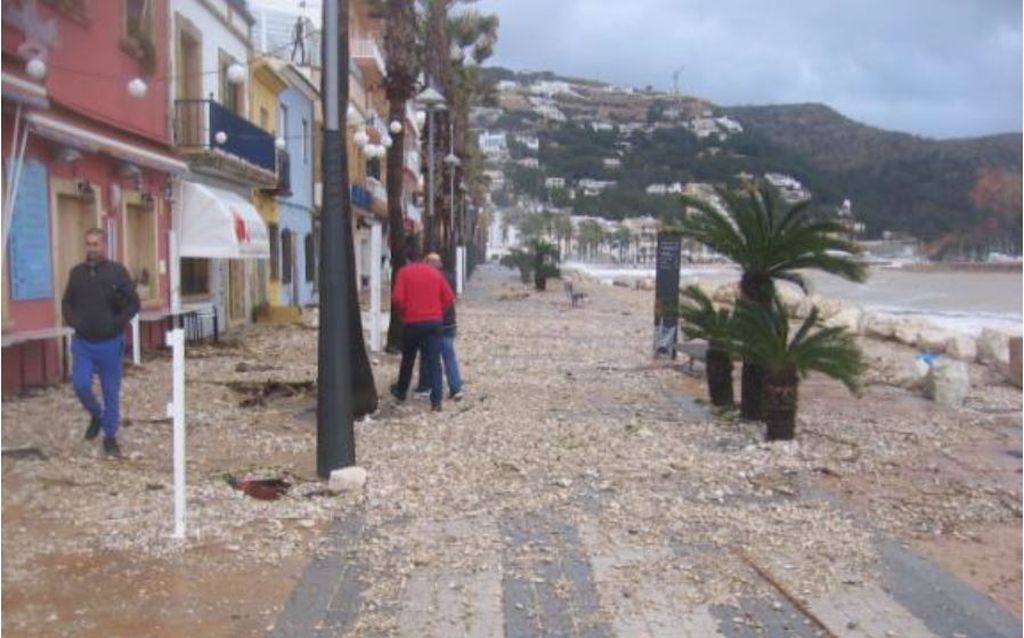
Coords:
675,80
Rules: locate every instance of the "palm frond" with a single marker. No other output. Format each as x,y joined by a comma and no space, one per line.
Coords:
762,335
700,317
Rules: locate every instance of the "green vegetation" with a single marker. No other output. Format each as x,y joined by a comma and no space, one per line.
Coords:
702,320
768,244
763,335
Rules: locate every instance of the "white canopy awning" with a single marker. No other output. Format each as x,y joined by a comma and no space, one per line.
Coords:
219,224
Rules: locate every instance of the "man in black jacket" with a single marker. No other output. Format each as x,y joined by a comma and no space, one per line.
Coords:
98,303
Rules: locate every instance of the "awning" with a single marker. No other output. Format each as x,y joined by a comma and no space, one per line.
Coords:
66,131
219,224
19,89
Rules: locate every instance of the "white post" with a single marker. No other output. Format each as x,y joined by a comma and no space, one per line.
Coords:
376,242
176,341
460,269
172,256
136,346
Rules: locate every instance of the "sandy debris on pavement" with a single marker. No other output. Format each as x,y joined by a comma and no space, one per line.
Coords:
565,416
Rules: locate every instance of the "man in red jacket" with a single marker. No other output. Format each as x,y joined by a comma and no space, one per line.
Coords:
421,294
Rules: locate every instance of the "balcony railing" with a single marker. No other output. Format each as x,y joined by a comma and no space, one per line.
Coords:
365,50
361,197
197,124
377,190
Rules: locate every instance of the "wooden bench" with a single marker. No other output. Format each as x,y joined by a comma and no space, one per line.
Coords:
575,298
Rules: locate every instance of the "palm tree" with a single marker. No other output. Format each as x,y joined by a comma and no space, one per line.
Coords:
591,235
543,260
768,244
702,320
763,335
401,53
364,391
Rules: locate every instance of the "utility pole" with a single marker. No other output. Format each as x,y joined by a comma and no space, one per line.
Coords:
335,438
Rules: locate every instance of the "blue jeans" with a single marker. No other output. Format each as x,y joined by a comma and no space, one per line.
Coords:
105,358
451,365
424,336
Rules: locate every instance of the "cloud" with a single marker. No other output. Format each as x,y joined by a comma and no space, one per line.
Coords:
943,68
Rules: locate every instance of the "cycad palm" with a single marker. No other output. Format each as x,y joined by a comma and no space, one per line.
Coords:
768,244
763,336
701,320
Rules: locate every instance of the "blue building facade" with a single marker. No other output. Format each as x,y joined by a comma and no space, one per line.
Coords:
298,246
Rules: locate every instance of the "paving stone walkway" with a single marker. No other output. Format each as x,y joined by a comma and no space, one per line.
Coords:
548,573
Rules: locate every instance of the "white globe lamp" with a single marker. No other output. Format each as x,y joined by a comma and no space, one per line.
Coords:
395,127
36,69
236,73
221,137
137,88
280,144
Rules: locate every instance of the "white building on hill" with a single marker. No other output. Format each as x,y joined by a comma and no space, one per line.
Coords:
493,144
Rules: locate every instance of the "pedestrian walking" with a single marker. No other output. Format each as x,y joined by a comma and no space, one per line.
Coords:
421,295
448,330
98,303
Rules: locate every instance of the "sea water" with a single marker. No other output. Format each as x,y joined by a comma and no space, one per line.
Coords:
966,302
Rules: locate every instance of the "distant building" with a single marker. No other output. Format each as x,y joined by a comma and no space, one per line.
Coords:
554,182
529,141
549,88
496,177
492,144
529,162
612,162
507,85
592,187
602,126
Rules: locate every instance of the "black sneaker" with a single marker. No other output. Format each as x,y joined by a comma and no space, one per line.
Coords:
93,430
111,449
456,396
435,407
395,393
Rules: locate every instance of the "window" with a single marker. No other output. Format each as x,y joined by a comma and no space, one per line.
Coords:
286,256
140,249
305,141
195,276
275,250
231,95
310,258
137,38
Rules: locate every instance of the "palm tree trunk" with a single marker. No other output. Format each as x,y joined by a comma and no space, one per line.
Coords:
396,220
756,290
719,375
364,392
780,403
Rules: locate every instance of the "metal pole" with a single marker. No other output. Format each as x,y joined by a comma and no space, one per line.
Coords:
376,250
430,177
335,436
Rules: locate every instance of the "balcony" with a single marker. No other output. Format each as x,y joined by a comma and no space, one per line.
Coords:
197,124
368,55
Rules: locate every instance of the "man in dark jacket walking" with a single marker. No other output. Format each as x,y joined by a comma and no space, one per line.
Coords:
99,301
421,295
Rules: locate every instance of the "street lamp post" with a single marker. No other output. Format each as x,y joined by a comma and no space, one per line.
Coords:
451,160
432,100
335,436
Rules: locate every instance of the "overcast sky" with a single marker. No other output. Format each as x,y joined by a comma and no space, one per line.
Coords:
940,68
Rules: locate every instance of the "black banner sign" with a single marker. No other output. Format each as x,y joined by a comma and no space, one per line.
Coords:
666,294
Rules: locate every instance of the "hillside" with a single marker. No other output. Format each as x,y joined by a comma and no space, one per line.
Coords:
896,181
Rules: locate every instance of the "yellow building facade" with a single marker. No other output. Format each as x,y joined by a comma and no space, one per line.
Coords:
266,84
